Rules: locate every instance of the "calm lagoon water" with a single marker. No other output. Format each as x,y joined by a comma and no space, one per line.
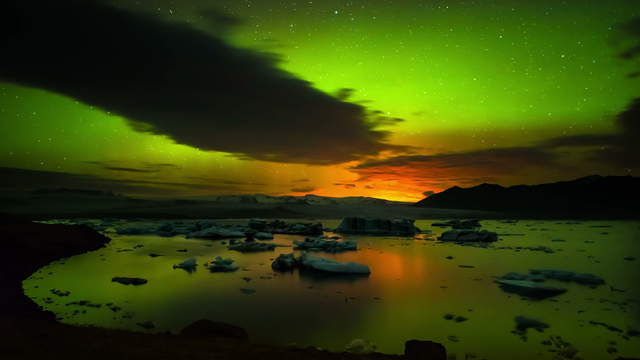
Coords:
411,287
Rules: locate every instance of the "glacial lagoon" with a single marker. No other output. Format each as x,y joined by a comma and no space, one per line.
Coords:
419,288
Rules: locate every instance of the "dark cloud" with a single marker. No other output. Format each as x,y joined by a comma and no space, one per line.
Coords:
210,180
218,22
301,180
12,179
498,160
621,148
428,193
346,186
582,140
344,94
147,167
113,168
441,171
174,80
160,165
630,36
306,189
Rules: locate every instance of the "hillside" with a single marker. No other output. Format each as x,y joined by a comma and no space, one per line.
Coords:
591,196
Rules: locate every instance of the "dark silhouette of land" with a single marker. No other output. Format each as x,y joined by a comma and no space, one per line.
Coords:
588,197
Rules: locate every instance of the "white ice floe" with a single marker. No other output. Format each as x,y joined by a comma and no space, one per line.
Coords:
330,266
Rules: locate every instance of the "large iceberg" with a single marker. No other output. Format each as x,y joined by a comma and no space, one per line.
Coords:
323,243
390,227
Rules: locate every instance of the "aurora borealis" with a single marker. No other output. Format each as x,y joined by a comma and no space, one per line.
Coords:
386,99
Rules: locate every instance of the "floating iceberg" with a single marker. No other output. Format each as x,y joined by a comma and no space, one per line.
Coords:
323,243
189,264
330,266
215,233
469,236
222,265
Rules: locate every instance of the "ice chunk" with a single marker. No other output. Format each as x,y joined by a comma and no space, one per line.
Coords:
330,266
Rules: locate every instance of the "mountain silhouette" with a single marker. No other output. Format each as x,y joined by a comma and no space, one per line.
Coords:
591,196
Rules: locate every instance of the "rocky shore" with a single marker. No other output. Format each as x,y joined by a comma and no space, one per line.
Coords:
27,332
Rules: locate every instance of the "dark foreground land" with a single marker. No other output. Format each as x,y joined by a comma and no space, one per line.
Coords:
27,332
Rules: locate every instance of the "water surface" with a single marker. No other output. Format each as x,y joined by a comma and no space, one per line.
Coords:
412,286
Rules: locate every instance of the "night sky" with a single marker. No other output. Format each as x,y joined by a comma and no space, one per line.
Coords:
388,99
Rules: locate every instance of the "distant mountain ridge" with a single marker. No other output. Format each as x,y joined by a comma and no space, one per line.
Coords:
309,199
589,196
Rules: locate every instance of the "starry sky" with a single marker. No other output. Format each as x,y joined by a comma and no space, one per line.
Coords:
391,98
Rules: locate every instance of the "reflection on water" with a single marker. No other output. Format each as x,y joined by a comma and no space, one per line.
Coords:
413,284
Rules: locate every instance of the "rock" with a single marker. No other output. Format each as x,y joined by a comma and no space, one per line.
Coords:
569,276
281,227
250,235
247,291
365,226
459,224
263,236
460,318
285,262
469,236
519,276
148,325
189,264
129,280
222,265
530,289
205,328
524,323
325,244
330,266
216,233
360,346
251,247
606,326
60,292
424,350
